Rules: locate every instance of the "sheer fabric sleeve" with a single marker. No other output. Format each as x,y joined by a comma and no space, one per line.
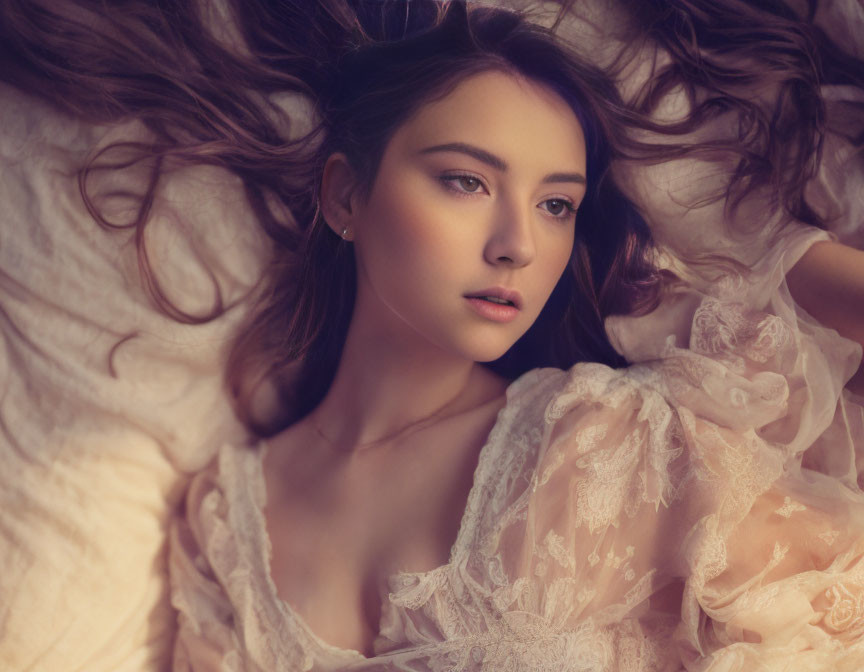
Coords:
206,638
669,540
739,257
741,352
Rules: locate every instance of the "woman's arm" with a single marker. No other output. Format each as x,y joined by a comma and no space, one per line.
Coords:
828,282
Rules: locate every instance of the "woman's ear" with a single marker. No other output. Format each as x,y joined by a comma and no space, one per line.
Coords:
338,184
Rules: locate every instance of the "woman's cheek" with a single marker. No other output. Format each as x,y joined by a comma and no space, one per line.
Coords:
421,232
400,254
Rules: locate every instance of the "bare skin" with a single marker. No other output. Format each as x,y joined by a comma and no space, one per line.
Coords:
344,515
363,517
828,282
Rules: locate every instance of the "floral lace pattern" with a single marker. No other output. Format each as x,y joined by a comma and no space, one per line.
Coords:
593,497
846,613
654,518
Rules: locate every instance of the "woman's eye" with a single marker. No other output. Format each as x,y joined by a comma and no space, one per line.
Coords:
469,183
561,208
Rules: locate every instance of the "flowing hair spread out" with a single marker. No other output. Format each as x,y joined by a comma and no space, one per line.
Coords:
204,79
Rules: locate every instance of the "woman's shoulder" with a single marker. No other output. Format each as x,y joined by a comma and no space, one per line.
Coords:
216,528
564,419
585,387
627,425
229,475
594,407
212,540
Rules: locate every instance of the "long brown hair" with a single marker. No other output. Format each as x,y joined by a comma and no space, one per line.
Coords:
206,97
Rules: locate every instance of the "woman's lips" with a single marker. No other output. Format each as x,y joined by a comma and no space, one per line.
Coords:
497,312
499,292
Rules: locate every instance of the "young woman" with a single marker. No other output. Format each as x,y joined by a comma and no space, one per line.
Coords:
424,511
450,475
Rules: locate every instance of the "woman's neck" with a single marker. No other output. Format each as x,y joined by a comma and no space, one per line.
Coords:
388,383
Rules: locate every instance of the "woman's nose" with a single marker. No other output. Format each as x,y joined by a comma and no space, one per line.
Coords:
511,239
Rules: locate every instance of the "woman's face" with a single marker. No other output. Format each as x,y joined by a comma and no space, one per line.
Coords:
477,190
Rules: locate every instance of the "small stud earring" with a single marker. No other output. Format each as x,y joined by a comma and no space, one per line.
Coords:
344,231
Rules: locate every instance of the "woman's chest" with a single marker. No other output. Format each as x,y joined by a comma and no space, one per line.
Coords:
338,532
332,567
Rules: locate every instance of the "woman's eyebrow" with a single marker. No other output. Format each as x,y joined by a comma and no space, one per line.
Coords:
496,162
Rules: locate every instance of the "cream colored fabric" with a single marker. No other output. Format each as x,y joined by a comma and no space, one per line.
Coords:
641,519
95,440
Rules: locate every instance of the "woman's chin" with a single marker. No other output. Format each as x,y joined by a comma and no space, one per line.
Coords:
487,353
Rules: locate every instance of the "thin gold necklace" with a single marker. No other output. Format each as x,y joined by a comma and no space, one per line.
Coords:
417,425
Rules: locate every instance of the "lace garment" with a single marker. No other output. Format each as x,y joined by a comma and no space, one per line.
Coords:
649,518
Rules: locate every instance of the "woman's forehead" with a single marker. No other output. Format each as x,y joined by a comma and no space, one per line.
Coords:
514,118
